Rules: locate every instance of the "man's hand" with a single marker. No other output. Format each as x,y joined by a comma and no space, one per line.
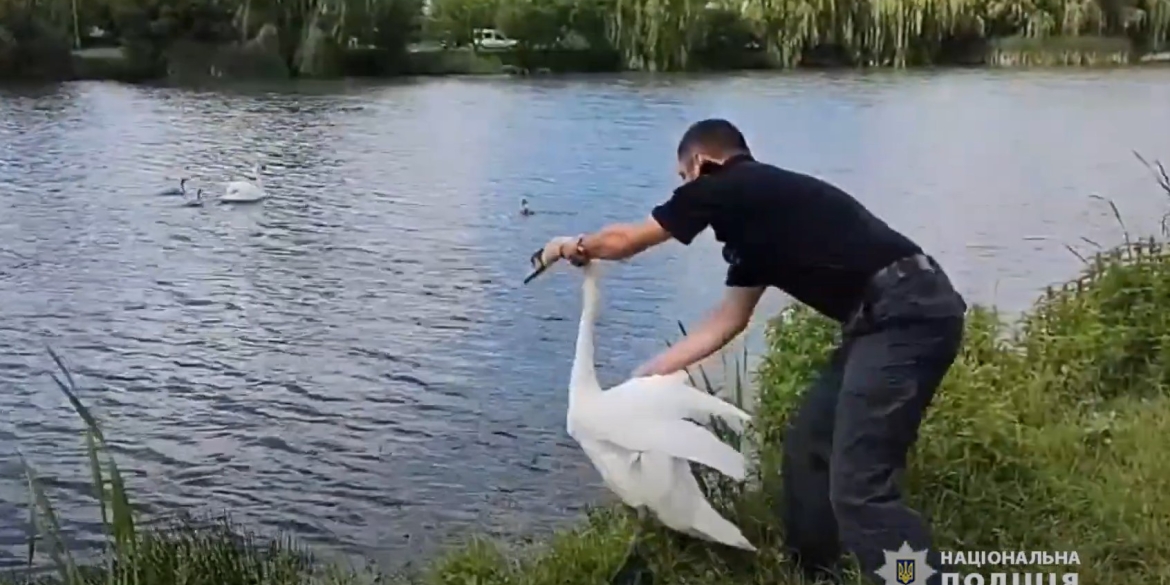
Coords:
574,251
646,369
561,248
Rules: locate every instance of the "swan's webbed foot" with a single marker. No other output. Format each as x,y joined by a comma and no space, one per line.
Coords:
635,570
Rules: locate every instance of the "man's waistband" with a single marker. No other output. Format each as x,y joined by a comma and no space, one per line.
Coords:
887,277
899,269
890,296
894,272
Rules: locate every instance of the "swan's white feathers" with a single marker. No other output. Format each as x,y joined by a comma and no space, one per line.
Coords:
695,516
245,191
638,437
673,396
635,431
614,465
665,485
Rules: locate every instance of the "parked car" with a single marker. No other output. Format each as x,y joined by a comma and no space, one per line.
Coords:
490,39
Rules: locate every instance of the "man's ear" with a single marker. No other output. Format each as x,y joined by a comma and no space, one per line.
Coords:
706,165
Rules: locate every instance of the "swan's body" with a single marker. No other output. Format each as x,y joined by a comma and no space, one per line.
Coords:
637,436
245,191
180,190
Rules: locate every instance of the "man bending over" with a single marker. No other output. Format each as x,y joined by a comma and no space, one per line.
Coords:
901,319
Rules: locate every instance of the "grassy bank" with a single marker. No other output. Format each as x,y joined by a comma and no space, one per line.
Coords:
1050,433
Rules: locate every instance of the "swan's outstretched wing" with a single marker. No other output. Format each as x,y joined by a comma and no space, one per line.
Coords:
701,518
675,437
673,494
671,396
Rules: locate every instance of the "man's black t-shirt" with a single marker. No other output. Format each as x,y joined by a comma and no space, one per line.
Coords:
784,229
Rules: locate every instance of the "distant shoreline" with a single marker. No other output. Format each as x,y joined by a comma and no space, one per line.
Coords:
112,64
428,61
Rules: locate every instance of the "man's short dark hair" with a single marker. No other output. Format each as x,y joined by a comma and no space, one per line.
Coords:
714,136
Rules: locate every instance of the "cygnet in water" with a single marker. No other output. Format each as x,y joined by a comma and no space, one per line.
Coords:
180,190
196,202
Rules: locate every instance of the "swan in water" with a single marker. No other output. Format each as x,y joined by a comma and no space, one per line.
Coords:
638,436
197,201
180,190
244,191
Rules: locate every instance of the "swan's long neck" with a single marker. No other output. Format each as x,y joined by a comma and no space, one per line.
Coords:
584,374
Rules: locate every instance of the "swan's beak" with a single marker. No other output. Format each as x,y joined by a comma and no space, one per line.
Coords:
538,266
544,258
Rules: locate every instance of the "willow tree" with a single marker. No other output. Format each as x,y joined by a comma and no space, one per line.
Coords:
905,32
63,15
1150,21
455,21
655,35
307,27
534,23
34,42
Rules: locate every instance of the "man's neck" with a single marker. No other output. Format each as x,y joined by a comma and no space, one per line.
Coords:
737,157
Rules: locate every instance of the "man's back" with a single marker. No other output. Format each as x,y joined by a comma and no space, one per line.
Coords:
791,231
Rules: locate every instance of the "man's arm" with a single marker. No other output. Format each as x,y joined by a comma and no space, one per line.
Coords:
682,217
728,320
622,240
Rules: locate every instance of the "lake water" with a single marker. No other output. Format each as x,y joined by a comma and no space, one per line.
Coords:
355,360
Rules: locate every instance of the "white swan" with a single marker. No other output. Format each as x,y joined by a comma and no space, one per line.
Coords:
638,437
244,191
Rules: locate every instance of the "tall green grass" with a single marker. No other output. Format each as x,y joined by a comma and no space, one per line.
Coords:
178,551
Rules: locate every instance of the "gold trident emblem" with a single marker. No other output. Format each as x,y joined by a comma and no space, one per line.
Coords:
905,571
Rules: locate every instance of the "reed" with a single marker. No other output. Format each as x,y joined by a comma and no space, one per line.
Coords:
177,551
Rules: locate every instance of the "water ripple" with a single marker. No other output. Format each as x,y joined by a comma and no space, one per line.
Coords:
355,360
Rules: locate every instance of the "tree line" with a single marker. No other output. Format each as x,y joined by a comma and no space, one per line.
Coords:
649,35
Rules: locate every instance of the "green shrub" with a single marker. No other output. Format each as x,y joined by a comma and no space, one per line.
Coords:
31,48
